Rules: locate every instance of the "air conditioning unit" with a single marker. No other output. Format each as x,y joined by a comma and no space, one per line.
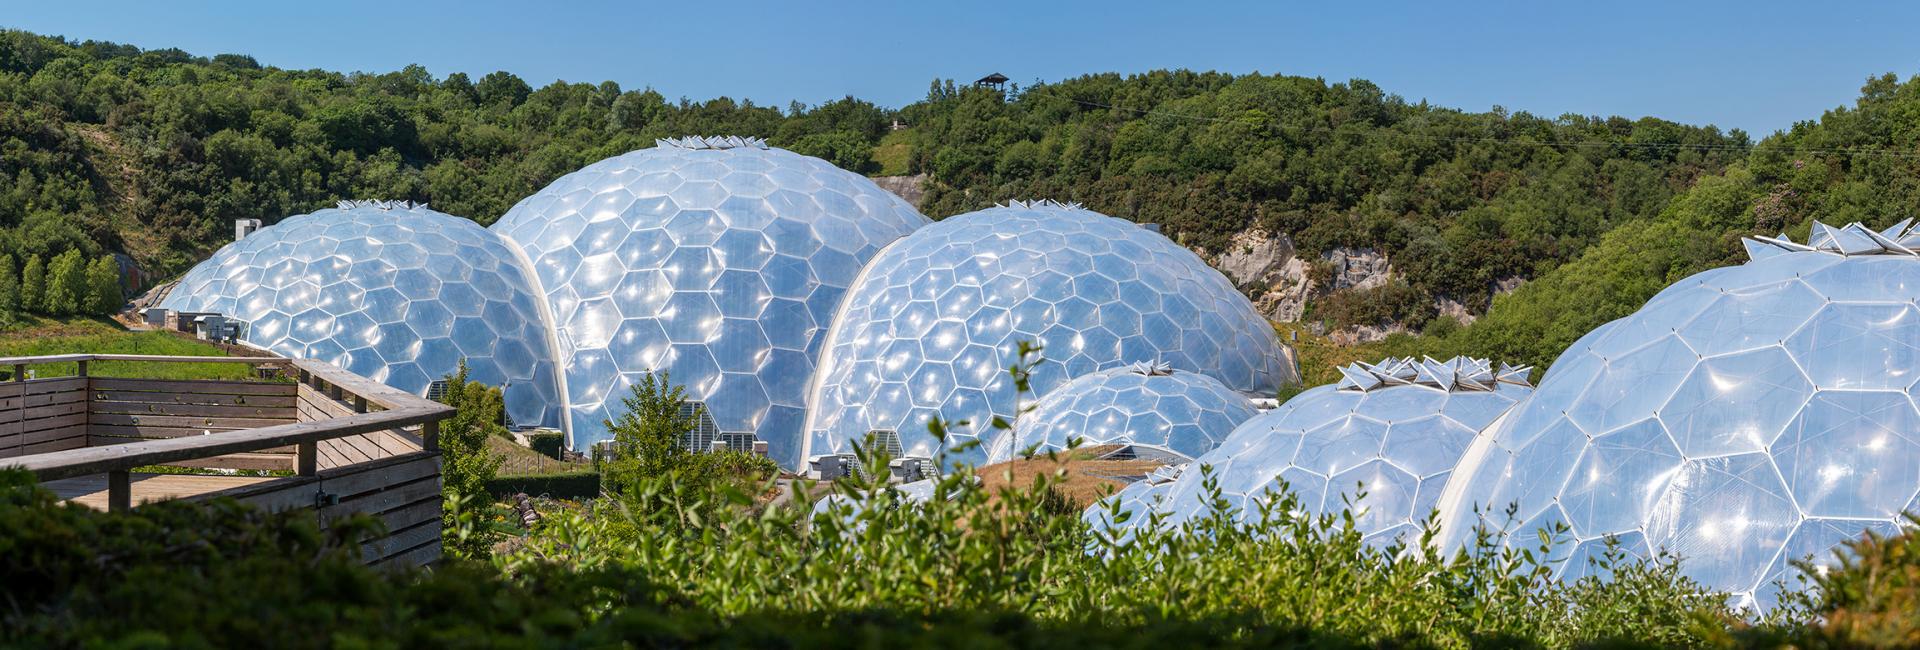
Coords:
912,468
833,467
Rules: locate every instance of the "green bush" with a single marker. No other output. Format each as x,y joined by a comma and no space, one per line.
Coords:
581,484
653,474
548,443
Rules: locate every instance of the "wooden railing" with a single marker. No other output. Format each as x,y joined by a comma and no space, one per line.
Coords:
353,407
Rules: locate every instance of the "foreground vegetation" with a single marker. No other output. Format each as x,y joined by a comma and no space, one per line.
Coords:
696,549
956,572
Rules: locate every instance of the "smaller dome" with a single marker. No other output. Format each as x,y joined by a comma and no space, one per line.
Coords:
934,321
391,291
1138,501
1393,430
1150,407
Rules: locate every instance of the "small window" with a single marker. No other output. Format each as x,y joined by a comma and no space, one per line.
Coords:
437,391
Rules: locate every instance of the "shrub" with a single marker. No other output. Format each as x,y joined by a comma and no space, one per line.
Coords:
656,476
581,484
1870,599
548,443
466,464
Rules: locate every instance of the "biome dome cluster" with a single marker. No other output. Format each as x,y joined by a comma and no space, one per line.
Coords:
1151,407
391,291
723,263
936,319
1745,418
1391,430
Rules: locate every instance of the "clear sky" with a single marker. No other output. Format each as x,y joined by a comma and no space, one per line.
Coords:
1758,65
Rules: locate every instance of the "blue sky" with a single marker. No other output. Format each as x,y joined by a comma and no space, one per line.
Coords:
1756,65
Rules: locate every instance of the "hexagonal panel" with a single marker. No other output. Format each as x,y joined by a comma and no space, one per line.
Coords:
378,286
714,229
1048,274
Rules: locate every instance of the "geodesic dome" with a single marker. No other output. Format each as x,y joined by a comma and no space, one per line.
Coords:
1147,406
1137,502
717,260
391,291
937,318
1746,417
1392,430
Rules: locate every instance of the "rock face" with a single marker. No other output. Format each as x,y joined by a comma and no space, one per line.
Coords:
912,188
1269,269
1358,268
1266,267
1454,309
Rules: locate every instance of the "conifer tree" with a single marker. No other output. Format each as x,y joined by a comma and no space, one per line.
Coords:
103,287
33,286
9,289
66,284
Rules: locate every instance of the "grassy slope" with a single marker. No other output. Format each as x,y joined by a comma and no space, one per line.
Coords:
521,461
45,337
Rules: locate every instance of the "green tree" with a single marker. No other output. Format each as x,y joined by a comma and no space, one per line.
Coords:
649,435
654,473
466,465
33,286
104,296
66,284
479,410
9,289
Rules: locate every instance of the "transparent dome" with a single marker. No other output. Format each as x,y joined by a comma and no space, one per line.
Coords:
719,261
1138,502
1746,417
937,318
1180,414
1392,430
388,290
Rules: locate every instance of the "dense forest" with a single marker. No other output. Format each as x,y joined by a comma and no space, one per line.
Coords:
112,148
1859,163
154,151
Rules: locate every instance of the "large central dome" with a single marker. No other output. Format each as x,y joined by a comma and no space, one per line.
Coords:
717,260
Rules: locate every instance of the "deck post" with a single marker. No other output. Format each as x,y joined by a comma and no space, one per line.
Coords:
430,436
119,491
359,404
307,458
19,372
83,369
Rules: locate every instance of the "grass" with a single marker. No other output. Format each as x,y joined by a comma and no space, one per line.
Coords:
40,336
521,461
1077,474
892,154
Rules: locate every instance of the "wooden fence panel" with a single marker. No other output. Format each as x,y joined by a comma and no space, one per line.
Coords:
42,415
130,410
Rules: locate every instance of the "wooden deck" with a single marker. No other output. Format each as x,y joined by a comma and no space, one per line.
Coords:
91,491
351,445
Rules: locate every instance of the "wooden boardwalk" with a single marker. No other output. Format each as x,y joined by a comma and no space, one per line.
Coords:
343,444
91,491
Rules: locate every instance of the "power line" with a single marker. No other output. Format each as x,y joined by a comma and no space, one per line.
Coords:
1666,146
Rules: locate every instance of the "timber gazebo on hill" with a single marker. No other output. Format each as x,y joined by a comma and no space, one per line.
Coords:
328,441
995,80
